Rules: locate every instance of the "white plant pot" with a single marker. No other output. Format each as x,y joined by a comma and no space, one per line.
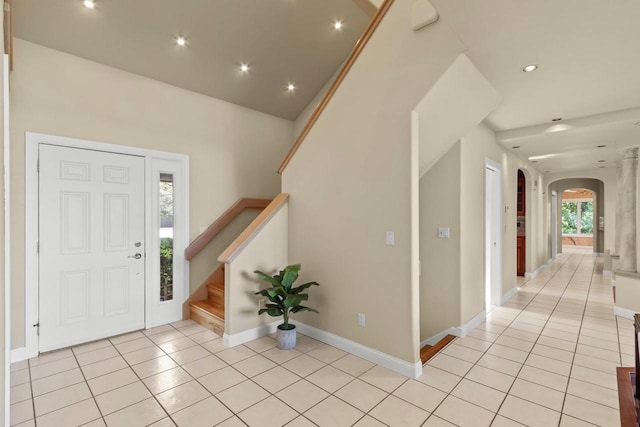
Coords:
286,339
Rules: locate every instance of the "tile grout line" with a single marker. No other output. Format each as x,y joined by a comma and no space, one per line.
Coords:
564,398
539,335
485,352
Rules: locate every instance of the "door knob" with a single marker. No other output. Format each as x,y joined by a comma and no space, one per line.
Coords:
136,256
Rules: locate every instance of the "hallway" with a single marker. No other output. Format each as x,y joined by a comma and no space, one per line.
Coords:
545,358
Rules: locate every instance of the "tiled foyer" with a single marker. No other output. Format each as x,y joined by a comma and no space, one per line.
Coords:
546,358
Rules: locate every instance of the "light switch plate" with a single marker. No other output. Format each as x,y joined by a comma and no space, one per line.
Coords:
391,238
443,232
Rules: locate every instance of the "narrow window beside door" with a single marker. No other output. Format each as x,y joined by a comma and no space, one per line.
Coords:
166,236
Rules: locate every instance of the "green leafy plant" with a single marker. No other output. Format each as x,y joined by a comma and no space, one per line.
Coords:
166,260
283,297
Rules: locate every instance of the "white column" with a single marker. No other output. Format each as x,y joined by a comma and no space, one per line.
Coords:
628,254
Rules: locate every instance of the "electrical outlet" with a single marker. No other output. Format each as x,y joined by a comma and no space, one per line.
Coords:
361,319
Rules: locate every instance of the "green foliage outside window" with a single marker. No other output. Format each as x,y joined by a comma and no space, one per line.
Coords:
166,261
569,218
572,217
586,218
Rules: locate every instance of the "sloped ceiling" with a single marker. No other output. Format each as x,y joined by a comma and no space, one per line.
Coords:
282,41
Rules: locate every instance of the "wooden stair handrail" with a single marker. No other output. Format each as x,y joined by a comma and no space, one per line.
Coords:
219,224
249,233
360,44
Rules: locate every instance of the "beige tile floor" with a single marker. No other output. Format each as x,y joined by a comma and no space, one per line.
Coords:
546,358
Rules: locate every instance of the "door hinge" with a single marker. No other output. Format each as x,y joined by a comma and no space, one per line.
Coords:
37,325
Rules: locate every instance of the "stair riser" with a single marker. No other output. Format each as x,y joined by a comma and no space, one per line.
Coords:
216,296
211,322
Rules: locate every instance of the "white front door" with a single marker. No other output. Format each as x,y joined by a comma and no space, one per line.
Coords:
91,237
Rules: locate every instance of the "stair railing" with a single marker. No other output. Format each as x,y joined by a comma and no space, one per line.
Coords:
355,53
219,224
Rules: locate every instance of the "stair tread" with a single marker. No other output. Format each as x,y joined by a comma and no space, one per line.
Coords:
428,351
213,310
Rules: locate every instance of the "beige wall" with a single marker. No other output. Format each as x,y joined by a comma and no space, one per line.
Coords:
233,151
303,118
628,291
268,252
350,183
440,258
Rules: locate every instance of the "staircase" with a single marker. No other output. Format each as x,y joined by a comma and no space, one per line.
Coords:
209,312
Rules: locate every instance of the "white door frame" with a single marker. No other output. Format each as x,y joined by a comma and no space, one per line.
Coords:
554,225
155,162
6,143
493,291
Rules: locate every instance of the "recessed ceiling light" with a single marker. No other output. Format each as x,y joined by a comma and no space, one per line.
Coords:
181,41
291,87
529,68
89,4
516,146
337,25
556,119
244,68
601,146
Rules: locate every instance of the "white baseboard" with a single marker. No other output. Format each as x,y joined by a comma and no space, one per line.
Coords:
408,369
607,273
506,297
623,312
437,337
539,270
464,330
18,354
249,335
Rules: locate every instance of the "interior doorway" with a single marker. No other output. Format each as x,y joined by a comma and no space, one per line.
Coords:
493,235
578,219
521,237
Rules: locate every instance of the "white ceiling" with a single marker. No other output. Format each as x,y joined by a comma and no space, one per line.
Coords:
587,52
282,41
589,62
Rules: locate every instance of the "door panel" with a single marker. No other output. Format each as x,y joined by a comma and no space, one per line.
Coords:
91,215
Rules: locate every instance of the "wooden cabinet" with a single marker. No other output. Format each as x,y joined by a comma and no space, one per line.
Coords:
520,204
520,255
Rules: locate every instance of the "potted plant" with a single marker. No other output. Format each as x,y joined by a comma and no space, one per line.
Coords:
284,299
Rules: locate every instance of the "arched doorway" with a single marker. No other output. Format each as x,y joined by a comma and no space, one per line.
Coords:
596,187
521,237
578,219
